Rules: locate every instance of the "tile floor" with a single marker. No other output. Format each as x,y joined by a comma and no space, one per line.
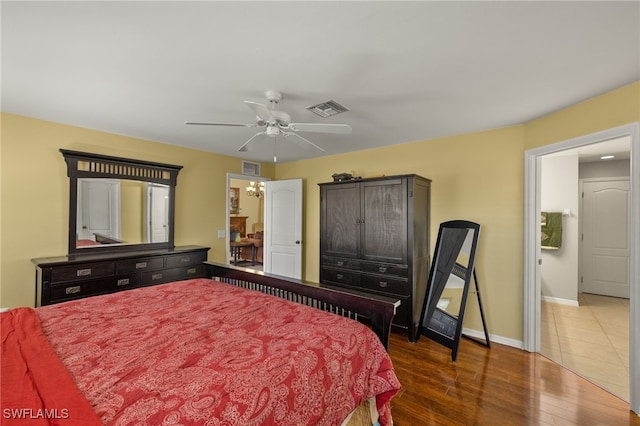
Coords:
592,340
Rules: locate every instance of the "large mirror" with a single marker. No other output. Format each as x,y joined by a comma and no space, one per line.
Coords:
119,204
449,280
121,211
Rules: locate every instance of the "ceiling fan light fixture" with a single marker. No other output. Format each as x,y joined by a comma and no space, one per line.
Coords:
328,109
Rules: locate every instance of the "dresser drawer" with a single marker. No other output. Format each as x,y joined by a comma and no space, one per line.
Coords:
385,269
173,274
341,277
185,259
79,289
340,262
82,272
188,272
386,284
139,265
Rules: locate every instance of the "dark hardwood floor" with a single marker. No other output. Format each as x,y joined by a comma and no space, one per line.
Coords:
497,386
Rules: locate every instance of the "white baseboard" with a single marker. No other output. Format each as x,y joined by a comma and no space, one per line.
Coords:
477,334
4,309
560,301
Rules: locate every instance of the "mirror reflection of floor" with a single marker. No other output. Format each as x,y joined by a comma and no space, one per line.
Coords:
592,340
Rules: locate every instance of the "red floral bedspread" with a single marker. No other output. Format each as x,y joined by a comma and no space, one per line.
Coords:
204,352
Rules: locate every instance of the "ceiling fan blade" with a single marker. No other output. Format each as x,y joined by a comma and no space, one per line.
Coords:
199,123
343,129
245,147
261,111
303,142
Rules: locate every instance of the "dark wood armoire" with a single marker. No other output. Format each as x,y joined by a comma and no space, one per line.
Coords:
374,238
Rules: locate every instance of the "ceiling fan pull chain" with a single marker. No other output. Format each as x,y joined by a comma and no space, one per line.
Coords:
275,149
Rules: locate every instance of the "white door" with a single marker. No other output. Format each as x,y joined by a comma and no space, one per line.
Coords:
157,213
283,228
99,208
605,237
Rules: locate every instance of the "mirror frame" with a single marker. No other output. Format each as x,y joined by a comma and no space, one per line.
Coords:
434,294
87,165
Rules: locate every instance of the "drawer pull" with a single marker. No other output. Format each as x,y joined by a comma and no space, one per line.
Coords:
185,260
383,284
339,276
123,281
340,263
382,269
141,265
191,271
83,272
72,290
156,276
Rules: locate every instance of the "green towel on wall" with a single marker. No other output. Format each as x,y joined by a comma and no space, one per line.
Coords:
551,238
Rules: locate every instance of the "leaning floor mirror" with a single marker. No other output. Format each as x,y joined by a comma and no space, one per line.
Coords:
449,281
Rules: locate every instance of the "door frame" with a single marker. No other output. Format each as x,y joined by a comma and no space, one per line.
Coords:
228,205
532,293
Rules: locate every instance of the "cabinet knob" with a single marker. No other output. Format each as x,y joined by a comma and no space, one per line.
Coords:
383,283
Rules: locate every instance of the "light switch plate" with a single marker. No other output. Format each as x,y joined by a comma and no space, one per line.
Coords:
221,233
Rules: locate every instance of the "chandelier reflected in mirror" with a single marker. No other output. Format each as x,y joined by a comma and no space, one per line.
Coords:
255,189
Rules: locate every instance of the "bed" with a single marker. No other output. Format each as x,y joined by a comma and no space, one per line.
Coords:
201,351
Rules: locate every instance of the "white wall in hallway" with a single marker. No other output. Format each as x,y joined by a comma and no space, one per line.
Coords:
559,192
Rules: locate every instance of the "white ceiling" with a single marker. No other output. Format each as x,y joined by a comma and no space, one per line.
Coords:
407,71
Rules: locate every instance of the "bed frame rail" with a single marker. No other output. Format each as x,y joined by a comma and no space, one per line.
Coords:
377,309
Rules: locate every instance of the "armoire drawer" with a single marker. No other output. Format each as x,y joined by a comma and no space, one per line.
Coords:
82,272
341,262
341,277
139,265
385,269
386,284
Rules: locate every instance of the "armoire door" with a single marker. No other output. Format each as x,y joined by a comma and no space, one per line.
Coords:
340,223
384,221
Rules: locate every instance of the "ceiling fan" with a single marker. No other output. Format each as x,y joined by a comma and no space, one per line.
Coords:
278,123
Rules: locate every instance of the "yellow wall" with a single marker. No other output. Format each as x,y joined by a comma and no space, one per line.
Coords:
478,177
35,194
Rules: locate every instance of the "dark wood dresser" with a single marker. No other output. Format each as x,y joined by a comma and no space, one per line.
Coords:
59,279
374,237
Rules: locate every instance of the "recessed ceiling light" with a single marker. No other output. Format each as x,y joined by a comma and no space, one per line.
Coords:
607,157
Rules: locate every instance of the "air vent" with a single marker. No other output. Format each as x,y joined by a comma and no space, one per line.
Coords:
250,168
327,109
